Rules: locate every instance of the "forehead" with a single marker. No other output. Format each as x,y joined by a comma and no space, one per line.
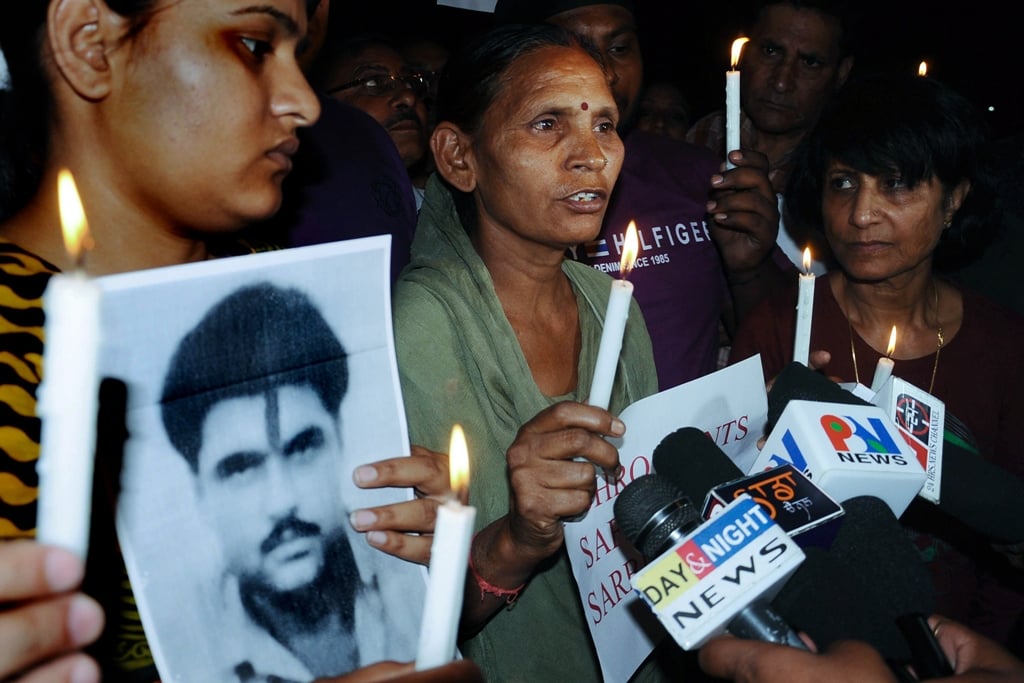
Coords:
598,23
243,422
805,28
555,71
374,55
291,14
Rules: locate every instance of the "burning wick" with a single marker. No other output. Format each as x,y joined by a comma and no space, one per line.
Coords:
883,370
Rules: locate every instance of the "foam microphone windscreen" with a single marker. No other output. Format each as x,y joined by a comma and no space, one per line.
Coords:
826,600
797,382
651,511
870,576
872,542
692,461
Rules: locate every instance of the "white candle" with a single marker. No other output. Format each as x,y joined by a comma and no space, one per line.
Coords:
883,369
69,391
732,101
449,562
615,317
804,312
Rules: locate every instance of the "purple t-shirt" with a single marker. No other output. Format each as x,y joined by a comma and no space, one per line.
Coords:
348,181
678,279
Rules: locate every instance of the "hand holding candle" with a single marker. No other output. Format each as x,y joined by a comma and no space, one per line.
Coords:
883,370
449,562
614,324
804,312
732,101
69,391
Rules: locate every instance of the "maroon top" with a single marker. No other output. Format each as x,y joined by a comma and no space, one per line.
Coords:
980,378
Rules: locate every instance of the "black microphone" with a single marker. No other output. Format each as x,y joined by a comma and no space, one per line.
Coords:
862,585
978,493
656,517
858,588
693,462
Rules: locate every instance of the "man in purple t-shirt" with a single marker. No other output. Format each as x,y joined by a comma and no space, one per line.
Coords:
702,260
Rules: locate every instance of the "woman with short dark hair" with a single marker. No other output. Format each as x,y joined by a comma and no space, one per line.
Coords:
892,174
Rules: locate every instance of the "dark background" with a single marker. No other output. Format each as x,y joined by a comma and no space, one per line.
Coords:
974,47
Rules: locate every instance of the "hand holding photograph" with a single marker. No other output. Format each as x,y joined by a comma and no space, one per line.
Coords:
255,386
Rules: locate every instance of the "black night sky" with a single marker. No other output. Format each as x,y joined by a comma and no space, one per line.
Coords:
974,47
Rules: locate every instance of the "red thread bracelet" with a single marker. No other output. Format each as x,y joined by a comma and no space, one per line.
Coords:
486,587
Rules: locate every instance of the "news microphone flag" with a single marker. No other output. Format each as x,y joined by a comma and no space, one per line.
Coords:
920,417
698,587
846,450
792,500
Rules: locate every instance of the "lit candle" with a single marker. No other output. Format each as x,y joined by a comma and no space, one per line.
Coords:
804,312
449,562
615,317
69,391
883,370
732,101
922,70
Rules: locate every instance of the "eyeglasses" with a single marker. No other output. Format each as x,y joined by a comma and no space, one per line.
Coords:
383,85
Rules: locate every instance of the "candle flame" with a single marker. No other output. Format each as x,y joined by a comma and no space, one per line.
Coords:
72,217
458,464
737,48
629,250
807,260
891,349
923,69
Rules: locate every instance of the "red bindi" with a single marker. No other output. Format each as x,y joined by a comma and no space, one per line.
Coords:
584,106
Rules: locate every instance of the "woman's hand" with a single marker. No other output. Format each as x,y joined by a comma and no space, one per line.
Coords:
42,622
405,529
551,472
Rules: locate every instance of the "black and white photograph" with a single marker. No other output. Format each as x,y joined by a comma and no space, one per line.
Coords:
255,386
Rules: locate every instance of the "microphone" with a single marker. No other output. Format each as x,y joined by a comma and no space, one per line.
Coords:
973,490
857,586
703,579
848,447
691,460
862,585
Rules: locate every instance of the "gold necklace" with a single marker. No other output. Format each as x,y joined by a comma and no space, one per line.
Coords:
939,341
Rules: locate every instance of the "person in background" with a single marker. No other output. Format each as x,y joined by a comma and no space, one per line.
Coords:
799,55
369,73
348,179
427,56
701,257
893,173
663,110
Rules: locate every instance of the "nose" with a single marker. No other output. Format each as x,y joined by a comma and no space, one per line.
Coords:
294,98
784,76
588,155
864,211
404,97
280,497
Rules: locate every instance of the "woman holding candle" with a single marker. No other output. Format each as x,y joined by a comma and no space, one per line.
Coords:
892,173
497,331
178,119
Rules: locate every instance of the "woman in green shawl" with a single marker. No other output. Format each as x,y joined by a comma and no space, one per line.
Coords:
495,330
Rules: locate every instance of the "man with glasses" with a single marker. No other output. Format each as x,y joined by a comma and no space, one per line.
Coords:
371,74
